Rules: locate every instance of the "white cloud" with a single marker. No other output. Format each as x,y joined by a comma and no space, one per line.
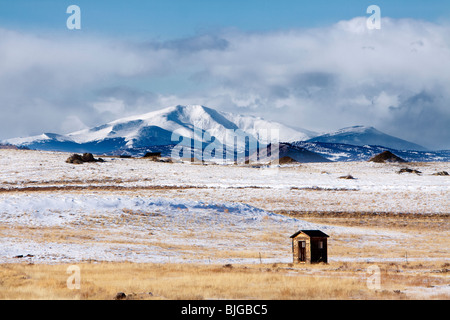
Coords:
112,105
71,124
321,79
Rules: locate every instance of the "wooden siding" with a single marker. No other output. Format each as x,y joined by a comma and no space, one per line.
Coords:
313,252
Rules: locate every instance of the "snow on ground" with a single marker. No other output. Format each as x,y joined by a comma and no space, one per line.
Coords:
211,212
134,228
140,229
428,292
308,187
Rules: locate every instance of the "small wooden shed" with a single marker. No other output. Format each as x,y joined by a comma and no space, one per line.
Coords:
309,246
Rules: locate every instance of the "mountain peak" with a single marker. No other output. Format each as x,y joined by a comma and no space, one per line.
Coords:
156,128
355,129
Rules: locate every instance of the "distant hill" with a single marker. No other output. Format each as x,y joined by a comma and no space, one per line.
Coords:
7,146
362,136
386,157
287,153
347,152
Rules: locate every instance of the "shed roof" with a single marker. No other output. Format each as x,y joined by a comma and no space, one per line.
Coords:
311,233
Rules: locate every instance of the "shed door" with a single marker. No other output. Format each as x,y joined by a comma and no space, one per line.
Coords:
302,250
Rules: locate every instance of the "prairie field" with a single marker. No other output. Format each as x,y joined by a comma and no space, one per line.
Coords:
186,281
157,230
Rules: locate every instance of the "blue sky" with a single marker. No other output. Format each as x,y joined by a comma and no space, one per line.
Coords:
308,64
179,18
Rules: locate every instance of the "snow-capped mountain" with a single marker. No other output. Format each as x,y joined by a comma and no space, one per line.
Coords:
167,127
197,128
346,152
366,136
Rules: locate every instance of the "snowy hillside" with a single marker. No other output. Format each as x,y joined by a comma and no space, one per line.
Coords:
144,211
346,152
166,127
194,128
362,135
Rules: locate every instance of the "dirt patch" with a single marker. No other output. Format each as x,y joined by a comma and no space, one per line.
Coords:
80,159
91,188
441,173
284,160
386,156
347,177
408,170
411,221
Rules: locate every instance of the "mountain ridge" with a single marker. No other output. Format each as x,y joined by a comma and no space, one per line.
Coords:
196,125
366,135
158,128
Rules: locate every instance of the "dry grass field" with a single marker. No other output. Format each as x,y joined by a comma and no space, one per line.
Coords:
197,282
420,274
179,231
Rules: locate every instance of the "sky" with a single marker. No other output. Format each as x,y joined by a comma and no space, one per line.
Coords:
309,64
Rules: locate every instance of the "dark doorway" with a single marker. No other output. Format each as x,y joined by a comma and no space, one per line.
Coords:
302,250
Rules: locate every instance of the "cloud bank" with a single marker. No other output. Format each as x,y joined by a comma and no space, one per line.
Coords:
321,79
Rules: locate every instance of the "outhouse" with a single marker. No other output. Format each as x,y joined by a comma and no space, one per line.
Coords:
309,246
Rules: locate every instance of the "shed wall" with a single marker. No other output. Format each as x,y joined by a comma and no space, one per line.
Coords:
312,251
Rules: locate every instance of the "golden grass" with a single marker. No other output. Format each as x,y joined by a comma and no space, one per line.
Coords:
408,222
420,238
190,281
337,280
